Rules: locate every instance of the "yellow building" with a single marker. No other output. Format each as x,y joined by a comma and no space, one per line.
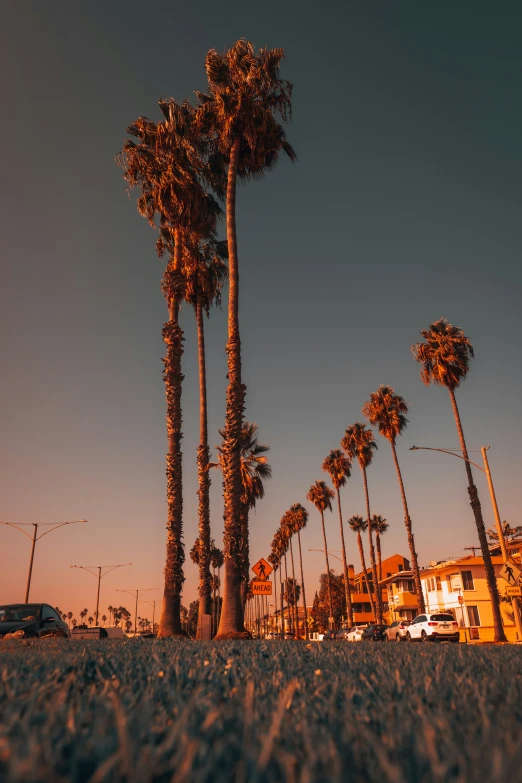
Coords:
402,600
459,586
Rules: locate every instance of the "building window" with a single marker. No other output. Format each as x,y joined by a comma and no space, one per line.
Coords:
433,584
454,583
439,584
401,567
473,615
467,580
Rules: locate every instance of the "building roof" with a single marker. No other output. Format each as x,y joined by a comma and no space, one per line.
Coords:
468,560
397,577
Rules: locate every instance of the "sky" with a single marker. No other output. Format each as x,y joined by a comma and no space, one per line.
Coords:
403,206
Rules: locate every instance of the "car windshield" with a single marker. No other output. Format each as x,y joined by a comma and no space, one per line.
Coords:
442,618
14,614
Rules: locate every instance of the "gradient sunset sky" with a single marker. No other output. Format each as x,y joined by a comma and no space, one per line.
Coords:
404,206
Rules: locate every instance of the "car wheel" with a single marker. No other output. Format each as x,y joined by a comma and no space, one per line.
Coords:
408,636
424,637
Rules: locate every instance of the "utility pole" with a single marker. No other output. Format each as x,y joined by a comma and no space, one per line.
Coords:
34,538
136,594
99,576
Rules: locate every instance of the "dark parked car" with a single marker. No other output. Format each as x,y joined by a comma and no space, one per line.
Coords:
25,621
330,636
374,633
92,632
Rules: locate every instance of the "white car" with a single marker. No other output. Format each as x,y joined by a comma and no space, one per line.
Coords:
438,627
397,631
355,633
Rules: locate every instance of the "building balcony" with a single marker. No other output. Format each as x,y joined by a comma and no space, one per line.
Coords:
403,600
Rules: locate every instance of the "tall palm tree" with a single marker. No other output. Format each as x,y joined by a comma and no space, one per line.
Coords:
69,617
359,525
205,273
445,358
379,527
111,609
321,496
279,545
245,98
299,516
255,470
166,162
359,444
74,622
104,619
387,410
90,620
288,526
338,467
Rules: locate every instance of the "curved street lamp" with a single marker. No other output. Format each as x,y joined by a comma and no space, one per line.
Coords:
34,538
99,576
136,594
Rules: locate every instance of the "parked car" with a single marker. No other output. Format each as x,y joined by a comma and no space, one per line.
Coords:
355,633
92,632
374,633
26,621
342,634
397,631
330,635
437,627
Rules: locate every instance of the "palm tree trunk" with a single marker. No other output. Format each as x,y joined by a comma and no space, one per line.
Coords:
303,586
347,590
205,589
379,558
491,581
365,575
170,621
328,580
376,587
409,533
288,607
231,623
244,551
294,606
281,597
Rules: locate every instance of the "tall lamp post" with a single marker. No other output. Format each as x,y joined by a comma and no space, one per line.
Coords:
99,576
153,604
498,523
136,594
34,538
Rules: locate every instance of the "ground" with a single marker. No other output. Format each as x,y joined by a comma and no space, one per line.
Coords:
145,710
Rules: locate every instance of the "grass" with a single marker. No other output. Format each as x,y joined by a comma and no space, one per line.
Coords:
143,710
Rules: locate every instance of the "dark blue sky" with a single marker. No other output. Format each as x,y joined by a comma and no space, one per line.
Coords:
404,206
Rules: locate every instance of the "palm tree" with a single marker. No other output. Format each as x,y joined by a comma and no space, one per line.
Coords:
104,619
288,527
111,610
255,470
321,496
279,547
379,527
299,516
74,622
90,620
510,533
359,525
166,163
205,273
388,411
359,444
69,617
445,358
338,467
245,97
84,614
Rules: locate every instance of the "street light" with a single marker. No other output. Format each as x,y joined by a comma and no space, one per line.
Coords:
99,577
136,593
330,553
153,604
34,538
498,523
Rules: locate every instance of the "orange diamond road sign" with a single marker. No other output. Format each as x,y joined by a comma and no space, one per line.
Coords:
262,569
261,587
